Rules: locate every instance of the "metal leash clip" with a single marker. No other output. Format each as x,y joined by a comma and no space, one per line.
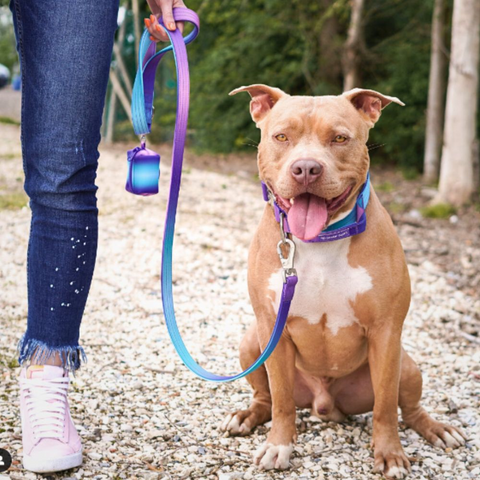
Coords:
288,261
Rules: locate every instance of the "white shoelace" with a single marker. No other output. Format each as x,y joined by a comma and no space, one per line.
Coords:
46,402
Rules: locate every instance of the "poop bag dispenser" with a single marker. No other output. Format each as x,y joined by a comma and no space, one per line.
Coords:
143,171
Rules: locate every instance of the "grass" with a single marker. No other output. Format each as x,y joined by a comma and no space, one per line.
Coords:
439,210
13,201
10,156
8,361
9,121
410,173
396,208
386,187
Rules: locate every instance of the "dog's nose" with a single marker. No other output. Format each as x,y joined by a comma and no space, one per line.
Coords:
306,170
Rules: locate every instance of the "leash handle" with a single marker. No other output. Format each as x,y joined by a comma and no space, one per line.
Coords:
148,61
141,113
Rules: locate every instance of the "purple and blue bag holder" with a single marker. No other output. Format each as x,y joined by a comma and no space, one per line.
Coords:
143,171
144,164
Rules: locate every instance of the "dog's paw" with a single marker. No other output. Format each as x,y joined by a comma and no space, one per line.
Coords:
236,424
437,433
392,462
270,456
445,436
244,421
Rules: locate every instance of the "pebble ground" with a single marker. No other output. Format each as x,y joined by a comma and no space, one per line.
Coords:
140,413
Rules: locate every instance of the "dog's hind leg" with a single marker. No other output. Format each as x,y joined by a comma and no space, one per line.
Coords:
415,416
242,422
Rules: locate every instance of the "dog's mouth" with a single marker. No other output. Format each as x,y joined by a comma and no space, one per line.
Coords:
309,214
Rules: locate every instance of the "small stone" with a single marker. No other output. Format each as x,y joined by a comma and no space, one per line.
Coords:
415,214
230,476
95,456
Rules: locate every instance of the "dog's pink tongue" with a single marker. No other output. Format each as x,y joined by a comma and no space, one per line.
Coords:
307,216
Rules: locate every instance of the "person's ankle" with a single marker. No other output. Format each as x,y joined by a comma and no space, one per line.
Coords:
54,360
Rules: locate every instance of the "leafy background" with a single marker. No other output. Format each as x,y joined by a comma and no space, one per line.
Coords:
296,46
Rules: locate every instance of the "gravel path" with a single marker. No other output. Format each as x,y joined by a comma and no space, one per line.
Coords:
141,414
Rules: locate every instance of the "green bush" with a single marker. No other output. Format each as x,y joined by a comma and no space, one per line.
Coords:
439,210
282,44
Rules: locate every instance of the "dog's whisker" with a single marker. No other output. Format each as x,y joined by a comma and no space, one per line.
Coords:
375,145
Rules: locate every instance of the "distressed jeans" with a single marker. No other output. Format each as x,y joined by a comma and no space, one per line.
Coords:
65,49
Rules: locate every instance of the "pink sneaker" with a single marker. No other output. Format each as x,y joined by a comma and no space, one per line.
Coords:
50,440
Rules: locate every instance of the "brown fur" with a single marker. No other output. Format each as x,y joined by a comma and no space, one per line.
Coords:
363,366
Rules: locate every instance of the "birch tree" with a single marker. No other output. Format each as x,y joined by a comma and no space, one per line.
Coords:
436,95
456,171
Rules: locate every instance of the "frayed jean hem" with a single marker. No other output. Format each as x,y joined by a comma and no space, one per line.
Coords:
31,351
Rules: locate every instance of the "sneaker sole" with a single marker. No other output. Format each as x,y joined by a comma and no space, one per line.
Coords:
47,465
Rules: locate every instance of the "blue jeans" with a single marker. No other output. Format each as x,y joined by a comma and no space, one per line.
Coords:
65,49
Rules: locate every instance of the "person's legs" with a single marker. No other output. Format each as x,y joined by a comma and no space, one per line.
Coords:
65,52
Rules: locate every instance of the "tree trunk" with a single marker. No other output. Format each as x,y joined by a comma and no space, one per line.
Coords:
436,93
354,46
136,27
330,48
117,46
456,171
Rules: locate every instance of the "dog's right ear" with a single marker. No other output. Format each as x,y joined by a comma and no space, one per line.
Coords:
263,99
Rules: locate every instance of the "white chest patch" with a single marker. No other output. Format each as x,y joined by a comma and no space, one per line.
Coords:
326,284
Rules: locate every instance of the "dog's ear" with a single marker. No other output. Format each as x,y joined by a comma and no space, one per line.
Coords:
370,103
263,99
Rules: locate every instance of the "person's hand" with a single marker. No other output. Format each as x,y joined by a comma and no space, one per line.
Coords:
162,8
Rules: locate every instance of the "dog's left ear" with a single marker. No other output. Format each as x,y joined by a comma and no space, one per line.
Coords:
370,103
263,99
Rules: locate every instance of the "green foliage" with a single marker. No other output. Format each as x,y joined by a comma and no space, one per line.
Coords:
8,53
241,43
297,46
440,210
409,172
400,37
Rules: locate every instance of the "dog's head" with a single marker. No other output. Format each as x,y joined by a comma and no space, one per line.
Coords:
313,152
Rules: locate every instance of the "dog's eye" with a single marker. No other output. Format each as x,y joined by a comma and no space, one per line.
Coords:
340,139
281,137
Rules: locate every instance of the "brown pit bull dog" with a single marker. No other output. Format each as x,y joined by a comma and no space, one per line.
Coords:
341,351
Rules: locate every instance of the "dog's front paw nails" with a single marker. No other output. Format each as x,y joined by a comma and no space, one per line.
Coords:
392,463
234,424
270,456
242,422
445,436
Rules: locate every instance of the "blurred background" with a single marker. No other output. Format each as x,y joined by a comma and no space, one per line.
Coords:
399,47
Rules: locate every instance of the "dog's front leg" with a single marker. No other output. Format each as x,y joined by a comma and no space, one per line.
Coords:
276,451
384,356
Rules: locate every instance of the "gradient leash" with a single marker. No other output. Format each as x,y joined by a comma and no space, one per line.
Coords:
143,178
